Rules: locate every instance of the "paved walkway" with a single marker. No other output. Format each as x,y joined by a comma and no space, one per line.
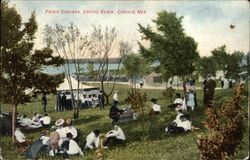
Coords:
154,87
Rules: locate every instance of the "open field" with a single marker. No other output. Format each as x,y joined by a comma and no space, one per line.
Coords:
152,146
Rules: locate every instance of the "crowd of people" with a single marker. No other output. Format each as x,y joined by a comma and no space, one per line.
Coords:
66,102
37,121
64,140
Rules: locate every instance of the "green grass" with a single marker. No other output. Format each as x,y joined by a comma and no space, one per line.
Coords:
153,146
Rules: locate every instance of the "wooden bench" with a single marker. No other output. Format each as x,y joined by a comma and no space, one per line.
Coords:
126,117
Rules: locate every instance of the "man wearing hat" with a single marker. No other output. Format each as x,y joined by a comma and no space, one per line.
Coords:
116,135
209,91
114,112
101,100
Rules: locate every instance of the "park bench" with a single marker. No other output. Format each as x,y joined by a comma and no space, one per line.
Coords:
126,117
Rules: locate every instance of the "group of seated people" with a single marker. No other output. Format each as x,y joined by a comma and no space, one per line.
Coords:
64,141
180,124
37,121
190,104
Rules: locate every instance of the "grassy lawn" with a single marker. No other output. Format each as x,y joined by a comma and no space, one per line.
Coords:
152,146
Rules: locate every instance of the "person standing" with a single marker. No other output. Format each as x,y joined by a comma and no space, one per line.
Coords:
222,84
64,103
209,91
44,102
142,82
101,100
58,102
115,96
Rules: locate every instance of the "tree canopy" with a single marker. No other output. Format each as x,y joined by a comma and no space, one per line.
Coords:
22,66
229,63
169,45
135,66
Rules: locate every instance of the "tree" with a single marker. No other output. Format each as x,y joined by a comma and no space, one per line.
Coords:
137,100
91,73
103,43
205,66
69,43
135,66
226,129
170,46
21,66
230,64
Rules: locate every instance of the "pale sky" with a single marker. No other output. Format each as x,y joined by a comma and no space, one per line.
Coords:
206,21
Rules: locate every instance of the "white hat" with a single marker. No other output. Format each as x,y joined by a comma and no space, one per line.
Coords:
116,91
59,122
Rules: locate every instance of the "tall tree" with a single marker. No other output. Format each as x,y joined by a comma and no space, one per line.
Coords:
20,65
135,66
103,43
91,72
202,66
69,43
230,64
170,46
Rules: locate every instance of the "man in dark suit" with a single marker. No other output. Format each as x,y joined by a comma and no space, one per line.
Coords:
101,100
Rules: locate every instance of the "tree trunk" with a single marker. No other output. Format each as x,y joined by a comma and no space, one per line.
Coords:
77,105
107,99
184,91
14,109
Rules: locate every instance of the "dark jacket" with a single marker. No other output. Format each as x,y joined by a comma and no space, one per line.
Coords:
114,111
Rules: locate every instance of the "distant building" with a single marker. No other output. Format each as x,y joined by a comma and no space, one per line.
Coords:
154,78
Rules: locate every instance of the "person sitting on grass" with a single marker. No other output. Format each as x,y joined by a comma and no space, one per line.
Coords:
71,129
20,138
177,101
74,149
182,126
179,111
25,121
44,137
116,135
92,140
35,117
61,130
115,112
156,108
45,121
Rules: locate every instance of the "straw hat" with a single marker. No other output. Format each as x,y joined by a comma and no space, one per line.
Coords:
59,122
